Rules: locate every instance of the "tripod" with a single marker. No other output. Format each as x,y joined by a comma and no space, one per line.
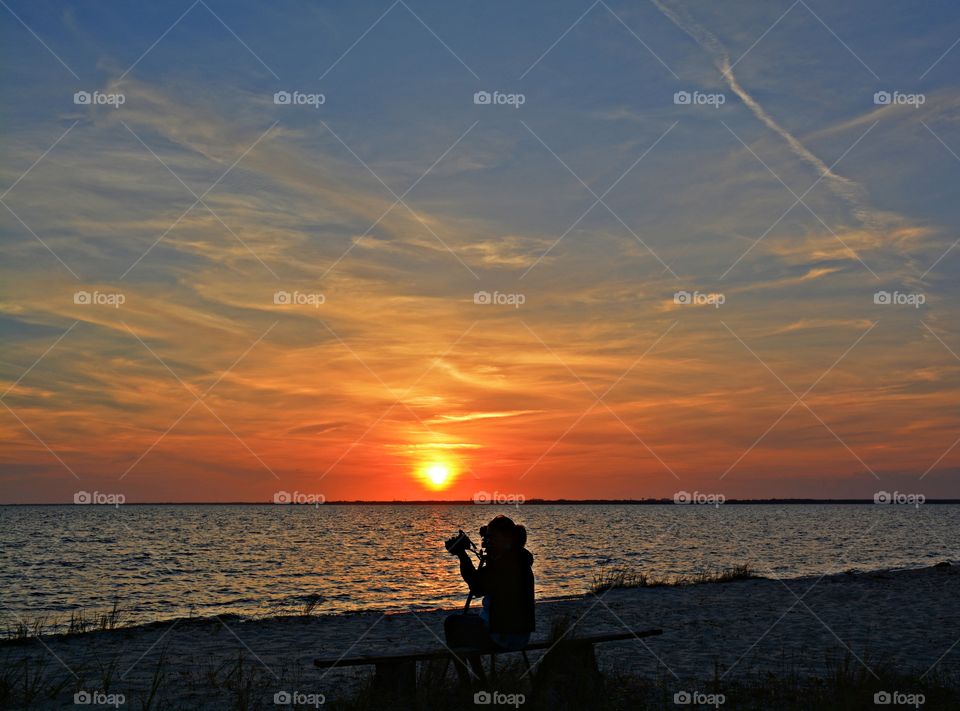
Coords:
483,561
468,662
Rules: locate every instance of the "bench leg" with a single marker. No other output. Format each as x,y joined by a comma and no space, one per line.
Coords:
567,674
469,668
395,680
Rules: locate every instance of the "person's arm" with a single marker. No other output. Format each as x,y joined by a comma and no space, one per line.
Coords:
471,575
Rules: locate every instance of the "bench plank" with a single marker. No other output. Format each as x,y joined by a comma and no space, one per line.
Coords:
379,659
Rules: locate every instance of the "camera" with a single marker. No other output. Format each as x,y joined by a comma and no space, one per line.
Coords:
459,543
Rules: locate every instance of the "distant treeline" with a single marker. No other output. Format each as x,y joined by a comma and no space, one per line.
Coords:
616,502
527,502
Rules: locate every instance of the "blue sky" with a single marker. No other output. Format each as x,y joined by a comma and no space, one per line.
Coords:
695,198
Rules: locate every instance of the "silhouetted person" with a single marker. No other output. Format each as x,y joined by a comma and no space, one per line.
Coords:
505,582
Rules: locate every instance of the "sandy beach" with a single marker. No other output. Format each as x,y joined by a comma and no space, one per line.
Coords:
906,620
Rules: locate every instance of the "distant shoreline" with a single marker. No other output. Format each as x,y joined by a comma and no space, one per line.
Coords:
529,502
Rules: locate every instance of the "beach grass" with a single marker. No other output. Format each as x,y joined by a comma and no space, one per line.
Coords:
79,622
846,686
26,629
310,603
621,577
243,684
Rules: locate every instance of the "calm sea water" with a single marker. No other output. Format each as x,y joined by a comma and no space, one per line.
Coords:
169,561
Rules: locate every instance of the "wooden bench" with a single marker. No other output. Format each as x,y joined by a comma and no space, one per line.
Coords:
397,674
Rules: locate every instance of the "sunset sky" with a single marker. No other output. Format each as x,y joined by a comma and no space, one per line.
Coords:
592,197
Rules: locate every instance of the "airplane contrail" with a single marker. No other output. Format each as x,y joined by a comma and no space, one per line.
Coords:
851,192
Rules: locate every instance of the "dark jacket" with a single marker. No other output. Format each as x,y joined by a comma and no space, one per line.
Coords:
508,583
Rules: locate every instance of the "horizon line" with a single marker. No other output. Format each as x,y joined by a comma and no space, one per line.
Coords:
470,502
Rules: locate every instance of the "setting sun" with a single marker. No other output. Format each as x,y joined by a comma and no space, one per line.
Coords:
437,475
